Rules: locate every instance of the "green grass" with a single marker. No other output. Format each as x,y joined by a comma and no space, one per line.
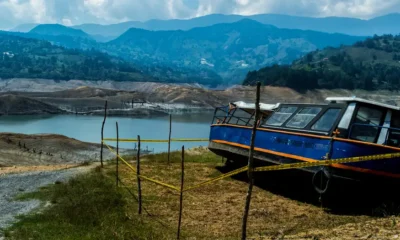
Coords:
91,207
175,157
87,207
42,194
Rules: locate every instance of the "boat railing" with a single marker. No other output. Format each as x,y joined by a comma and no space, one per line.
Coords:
390,129
224,115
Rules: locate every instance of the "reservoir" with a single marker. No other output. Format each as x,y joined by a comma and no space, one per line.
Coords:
88,128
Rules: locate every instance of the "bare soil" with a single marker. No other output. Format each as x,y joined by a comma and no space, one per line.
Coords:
22,169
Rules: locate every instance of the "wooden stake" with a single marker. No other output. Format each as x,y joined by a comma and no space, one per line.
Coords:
181,195
169,138
116,167
251,164
138,176
102,134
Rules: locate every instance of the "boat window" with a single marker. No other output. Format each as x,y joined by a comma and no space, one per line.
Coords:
241,117
279,117
393,138
303,117
325,123
366,124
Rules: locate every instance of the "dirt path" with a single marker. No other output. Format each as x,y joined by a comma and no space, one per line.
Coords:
29,179
23,169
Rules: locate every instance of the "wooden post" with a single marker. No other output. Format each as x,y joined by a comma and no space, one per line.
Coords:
181,195
102,134
138,176
251,164
116,167
169,138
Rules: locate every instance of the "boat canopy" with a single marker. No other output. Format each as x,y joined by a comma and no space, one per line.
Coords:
263,106
360,100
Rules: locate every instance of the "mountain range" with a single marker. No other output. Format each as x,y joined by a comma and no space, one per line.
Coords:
214,49
351,26
222,51
229,49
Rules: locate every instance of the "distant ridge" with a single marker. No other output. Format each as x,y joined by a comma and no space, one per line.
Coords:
58,29
24,27
351,26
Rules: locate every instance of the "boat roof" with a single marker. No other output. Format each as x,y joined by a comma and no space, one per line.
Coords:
263,106
361,100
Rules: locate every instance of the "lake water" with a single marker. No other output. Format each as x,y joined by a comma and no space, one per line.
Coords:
87,128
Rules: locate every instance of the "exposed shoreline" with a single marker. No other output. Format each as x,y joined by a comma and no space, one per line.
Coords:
50,149
142,99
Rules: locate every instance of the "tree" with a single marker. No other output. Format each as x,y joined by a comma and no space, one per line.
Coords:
368,84
309,57
370,43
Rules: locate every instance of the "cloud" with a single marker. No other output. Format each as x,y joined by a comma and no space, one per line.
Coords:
72,12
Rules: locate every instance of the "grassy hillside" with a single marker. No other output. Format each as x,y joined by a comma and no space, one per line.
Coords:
370,64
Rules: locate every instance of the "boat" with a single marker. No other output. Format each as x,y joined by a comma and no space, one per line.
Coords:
342,127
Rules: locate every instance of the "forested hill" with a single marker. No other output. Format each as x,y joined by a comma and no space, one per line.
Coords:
370,64
31,58
229,50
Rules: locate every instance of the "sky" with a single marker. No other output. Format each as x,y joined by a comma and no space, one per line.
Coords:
74,12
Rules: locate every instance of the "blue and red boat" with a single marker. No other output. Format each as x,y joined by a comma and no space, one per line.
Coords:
288,133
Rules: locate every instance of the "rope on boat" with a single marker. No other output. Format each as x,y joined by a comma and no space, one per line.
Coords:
324,173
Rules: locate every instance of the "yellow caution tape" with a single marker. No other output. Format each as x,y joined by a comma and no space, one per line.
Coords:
157,140
300,165
269,168
327,162
226,175
189,140
141,176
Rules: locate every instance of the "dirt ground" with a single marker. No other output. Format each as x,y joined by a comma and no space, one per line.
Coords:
215,211
22,169
25,179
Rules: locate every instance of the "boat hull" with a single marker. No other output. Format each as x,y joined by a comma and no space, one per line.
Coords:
280,147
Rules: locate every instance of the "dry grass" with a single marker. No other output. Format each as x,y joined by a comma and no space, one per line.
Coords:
215,211
90,207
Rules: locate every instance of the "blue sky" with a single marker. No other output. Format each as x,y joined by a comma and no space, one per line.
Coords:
73,12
